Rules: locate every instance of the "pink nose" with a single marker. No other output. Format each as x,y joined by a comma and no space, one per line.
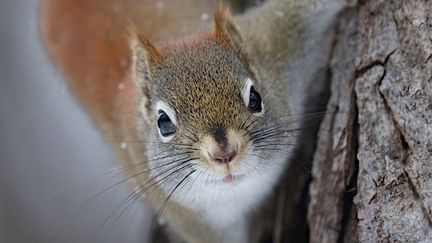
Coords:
223,157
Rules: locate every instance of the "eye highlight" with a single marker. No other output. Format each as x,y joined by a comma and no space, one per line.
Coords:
166,126
252,98
254,101
166,121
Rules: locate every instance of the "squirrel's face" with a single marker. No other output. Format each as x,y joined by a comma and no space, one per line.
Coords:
204,98
205,106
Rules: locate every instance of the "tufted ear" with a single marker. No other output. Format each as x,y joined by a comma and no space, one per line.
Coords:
225,29
144,58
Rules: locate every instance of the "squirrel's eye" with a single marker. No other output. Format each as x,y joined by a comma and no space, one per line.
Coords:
254,101
251,98
166,127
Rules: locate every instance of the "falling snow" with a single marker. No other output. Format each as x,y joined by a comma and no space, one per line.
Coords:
205,17
160,5
162,221
120,86
280,14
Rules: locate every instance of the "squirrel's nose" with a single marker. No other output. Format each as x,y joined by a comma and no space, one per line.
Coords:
221,150
219,135
223,157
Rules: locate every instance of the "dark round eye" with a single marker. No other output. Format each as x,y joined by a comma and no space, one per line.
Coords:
166,127
255,105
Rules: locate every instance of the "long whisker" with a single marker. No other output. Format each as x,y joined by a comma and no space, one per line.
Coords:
124,180
138,193
132,197
264,135
146,141
112,171
172,192
150,160
270,145
194,181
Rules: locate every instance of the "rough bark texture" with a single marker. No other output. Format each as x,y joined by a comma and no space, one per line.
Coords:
372,171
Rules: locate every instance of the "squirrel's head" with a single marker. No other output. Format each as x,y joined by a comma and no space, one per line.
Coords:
204,105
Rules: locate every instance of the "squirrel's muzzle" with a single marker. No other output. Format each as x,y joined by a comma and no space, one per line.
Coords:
222,146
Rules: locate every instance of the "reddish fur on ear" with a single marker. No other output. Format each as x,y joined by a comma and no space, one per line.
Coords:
145,56
138,42
220,15
225,29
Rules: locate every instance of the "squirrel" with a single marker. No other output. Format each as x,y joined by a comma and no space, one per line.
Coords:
205,108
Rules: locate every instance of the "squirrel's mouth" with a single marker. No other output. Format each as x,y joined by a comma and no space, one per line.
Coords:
229,179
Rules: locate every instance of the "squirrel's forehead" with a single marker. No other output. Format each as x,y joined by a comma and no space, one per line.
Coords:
195,77
205,58
217,106
201,89
199,96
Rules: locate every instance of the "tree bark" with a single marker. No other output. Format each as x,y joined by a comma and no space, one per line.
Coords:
372,170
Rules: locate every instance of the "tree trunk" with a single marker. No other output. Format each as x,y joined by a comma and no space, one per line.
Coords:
372,170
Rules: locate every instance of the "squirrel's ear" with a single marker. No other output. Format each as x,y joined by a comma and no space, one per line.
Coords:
144,58
225,29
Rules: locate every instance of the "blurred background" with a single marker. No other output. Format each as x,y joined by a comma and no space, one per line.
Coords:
52,159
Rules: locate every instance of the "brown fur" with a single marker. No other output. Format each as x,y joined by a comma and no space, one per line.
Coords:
88,41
